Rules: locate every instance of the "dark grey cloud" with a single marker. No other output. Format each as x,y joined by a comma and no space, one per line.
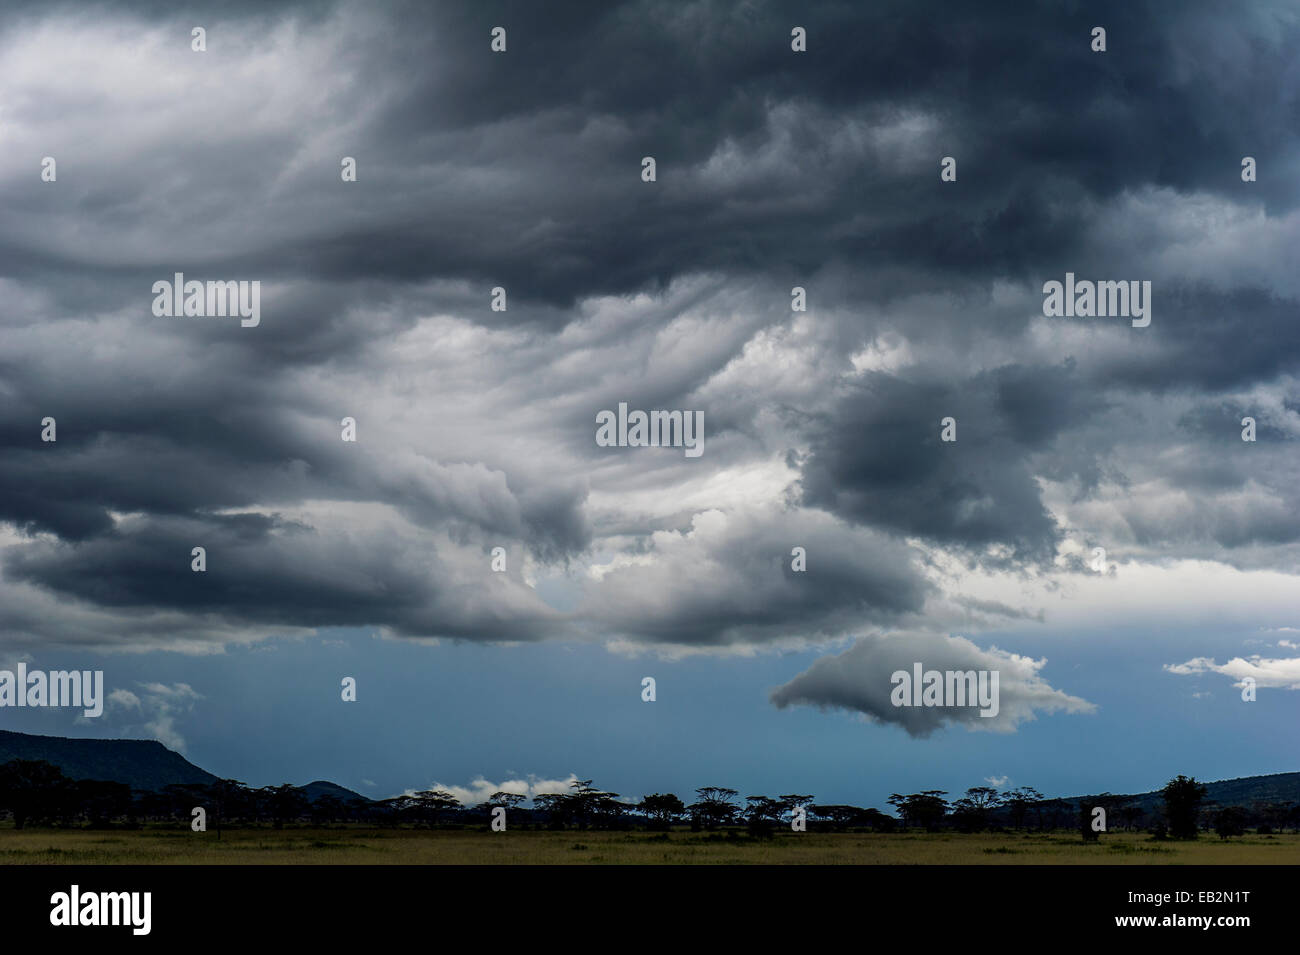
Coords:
522,170
732,579
262,571
880,459
524,165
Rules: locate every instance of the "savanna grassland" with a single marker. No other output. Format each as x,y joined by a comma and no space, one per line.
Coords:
368,846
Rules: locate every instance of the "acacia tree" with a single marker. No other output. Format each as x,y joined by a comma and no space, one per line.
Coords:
227,797
923,809
389,811
899,802
594,807
585,806
430,804
585,798
762,813
971,812
1018,802
662,808
835,815
559,808
840,817
715,806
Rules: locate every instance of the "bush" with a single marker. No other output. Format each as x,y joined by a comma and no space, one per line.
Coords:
1230,822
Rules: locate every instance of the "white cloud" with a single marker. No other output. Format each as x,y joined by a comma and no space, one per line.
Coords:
858,680
158,706
1283,673
481,789
124,698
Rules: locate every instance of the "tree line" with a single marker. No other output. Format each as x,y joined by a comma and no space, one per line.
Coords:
35,792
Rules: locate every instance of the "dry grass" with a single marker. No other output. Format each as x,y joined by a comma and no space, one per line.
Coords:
358,846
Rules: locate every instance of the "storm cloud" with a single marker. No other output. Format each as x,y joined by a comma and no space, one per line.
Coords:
475,427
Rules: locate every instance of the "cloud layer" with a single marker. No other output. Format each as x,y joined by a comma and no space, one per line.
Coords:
522,171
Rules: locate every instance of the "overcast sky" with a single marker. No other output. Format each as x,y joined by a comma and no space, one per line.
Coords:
476,428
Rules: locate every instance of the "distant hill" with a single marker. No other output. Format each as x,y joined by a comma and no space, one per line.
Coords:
320,787
1279,787
144,764
140,763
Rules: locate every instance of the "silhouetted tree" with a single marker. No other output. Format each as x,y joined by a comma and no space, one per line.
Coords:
284,803
899,802
762,814
715,806
388,812
1018,802
873,818
971,812
1230,821
1206,814
100,801
359,810
153,805
30,789
1130,814
594,807
835,817
430,805
1056,812
227,799
607,812
560,808
662,808
842,817
326,809
925,809
1272,816
1183,798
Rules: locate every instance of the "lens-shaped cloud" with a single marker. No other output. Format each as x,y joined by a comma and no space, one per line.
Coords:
859,681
